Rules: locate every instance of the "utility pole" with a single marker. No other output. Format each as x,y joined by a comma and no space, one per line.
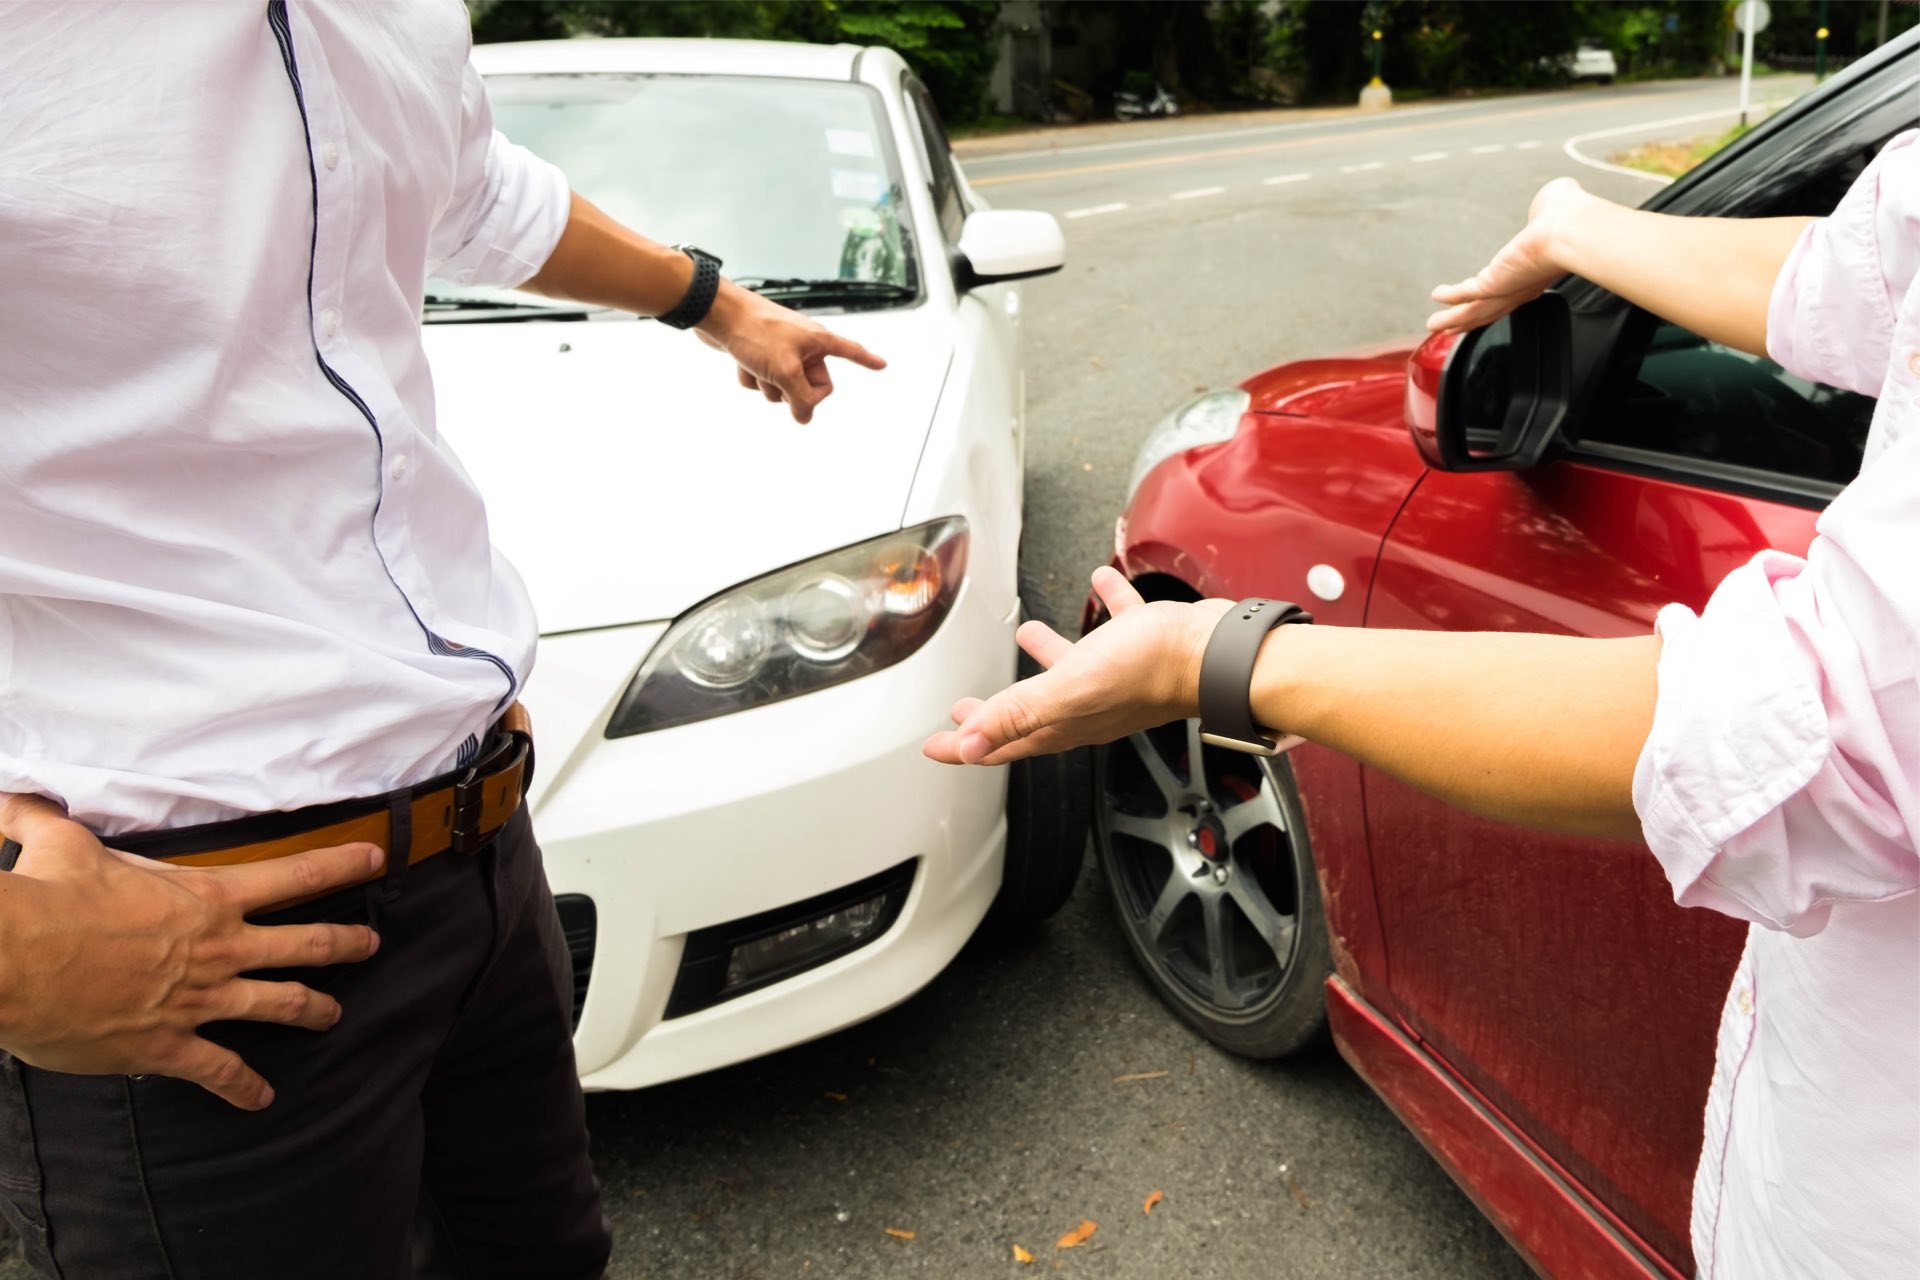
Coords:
1880,36
1820,46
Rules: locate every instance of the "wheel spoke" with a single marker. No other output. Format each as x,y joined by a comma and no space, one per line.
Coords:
1153,830
1213,910
1196,761
1172,894
1275,930
1158,768
1257,810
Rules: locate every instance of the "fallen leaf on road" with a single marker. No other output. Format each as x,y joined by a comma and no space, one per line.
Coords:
1021,1255
1293,1185
898,1234
837,1097
1097,362
1153,1200
1140,1075
1078,1236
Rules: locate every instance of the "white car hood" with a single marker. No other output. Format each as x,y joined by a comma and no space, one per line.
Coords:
628,475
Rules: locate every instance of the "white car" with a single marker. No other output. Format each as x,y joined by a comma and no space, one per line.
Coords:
749,626
1592,60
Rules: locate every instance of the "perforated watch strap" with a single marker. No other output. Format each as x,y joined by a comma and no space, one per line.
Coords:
1226,674
698,299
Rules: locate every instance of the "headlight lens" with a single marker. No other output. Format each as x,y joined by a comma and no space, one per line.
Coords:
819,623
1206,419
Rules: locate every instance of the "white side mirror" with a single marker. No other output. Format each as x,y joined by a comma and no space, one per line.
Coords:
1008,244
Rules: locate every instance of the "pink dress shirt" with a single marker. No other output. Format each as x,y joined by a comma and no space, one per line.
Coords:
1781,785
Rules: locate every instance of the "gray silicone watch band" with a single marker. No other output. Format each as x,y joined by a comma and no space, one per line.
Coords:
1226,675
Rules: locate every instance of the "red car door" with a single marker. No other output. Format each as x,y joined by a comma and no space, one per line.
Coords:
1555,976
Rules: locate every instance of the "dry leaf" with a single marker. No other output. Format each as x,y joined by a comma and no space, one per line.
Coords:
837,1097
1140,1075
1078,1236
1293,1185
1021,1255
1153,1200
898,1234
1097,362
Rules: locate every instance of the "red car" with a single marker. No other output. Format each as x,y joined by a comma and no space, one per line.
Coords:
1535,1008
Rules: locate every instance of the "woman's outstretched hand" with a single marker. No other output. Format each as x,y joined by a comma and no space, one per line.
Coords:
1520,272
1139,669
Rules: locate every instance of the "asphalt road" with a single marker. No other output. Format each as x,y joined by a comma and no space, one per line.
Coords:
992,1109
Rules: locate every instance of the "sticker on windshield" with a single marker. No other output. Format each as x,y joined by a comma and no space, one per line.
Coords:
849,142
858,184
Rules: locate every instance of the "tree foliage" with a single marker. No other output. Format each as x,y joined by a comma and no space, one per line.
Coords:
949,43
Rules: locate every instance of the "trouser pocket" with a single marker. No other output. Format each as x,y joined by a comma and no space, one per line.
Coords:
22,1201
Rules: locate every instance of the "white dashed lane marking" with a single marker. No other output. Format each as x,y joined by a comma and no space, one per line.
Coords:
1487,150
1363,168
1427,157
1197,192
1281,178
1096,210
1525,146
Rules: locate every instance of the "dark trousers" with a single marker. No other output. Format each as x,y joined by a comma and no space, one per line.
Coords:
446,1091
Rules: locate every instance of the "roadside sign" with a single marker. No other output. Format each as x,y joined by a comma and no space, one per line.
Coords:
1751,17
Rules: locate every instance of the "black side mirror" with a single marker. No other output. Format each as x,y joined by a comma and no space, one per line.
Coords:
1505,391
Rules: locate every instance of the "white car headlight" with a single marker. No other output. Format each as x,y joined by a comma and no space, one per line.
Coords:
819,623
1206,419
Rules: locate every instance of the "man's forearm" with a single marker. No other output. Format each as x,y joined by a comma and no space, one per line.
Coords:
1713,276
600,262
1534,729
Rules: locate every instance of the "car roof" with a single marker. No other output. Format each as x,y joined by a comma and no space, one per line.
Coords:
782,58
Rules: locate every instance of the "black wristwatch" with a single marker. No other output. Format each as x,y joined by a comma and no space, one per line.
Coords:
700,293
1226,676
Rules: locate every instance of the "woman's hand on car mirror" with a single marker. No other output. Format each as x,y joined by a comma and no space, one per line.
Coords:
1523,268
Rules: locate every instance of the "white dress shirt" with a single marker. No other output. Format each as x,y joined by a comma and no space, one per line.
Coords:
1781,785
239,569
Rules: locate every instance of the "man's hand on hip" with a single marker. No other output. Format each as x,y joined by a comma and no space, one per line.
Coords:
114,962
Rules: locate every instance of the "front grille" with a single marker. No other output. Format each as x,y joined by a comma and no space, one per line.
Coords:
579,922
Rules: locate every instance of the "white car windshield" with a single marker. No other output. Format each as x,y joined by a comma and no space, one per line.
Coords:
793,184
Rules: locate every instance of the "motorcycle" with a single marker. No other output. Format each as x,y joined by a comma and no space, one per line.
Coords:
1139,106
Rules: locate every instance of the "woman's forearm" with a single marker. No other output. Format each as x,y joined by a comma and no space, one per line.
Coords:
1713,276
1533,729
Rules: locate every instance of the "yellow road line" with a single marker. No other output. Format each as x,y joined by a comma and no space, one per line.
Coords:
1288,144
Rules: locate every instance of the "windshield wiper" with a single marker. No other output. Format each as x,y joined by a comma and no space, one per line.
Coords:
440,302
793,289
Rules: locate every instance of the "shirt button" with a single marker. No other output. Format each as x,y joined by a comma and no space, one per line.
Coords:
398,469
330,322
330,156
1913,363
1744,999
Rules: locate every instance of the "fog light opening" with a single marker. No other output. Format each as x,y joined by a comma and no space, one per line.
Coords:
731,959
795,947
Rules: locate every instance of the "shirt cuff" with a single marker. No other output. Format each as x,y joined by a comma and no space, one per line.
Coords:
1738,729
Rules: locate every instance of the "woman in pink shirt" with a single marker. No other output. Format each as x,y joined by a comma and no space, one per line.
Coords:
1768,750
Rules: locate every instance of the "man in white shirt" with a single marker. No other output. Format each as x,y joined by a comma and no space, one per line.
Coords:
253,634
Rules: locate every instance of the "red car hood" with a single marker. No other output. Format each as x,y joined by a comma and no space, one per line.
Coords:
1366,384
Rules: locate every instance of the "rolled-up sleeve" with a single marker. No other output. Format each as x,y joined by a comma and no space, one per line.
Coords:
1832,313
508,208
1782,772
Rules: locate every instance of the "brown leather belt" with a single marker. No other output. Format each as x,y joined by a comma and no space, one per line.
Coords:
462,813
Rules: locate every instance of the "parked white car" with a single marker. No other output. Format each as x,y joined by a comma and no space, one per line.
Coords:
1592,60
750,626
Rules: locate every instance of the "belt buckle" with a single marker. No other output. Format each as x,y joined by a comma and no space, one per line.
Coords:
466,812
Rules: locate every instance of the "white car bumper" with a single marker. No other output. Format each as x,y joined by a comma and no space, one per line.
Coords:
689,828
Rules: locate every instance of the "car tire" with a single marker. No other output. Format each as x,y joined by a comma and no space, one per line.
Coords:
1047,822
1202,904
